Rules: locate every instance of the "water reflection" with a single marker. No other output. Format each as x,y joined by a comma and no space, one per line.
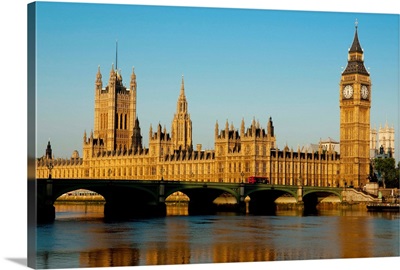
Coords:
80,238
110,257
80,211
177,209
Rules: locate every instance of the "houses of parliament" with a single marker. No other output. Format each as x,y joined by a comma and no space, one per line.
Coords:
114,149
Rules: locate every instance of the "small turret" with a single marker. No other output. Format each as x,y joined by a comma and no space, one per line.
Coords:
151,132
112,80
242,128
253,127
49,154
136,137
216,130
133,80
226,132
270,127
159,129
99,81
320,147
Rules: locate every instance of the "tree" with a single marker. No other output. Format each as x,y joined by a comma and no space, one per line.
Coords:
387,172
396,182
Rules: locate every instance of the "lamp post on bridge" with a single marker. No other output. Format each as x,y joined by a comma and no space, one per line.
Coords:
46,211
300,203
161,192
300,181
344,193
242,203
49,185
50,166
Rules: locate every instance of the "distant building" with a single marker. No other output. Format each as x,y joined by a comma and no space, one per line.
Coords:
328,144
382,141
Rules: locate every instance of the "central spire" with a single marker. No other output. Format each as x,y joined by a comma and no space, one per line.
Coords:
182,103
181,124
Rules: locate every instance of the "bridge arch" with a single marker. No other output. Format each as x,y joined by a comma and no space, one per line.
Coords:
313,197
58,192
202,197
327,191
122,200
262,200
80,195
182,188
278,190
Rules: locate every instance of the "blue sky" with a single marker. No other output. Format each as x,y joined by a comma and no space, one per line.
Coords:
237,64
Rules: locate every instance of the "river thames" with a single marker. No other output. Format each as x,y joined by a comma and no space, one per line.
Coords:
80,237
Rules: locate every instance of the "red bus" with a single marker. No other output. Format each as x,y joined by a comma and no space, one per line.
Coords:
257,180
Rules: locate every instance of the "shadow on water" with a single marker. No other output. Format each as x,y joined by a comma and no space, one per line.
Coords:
311,212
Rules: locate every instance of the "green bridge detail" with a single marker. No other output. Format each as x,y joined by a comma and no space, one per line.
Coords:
135,198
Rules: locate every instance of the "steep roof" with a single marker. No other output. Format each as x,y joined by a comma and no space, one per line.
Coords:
356,47
355,64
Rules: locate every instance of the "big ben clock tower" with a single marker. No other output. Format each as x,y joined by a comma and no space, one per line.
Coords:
355,105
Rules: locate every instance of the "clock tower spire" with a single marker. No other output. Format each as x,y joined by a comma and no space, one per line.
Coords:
355,105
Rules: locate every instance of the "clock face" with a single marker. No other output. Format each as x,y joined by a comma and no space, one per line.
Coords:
364,92
348,91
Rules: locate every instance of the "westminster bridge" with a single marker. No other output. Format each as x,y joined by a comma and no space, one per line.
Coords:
131,198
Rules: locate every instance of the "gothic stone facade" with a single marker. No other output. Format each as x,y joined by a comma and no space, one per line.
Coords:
115,151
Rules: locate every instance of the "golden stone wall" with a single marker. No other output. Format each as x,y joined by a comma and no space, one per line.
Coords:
281,167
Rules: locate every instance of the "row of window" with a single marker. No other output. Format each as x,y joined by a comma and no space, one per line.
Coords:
235,167
60,173
103,120
350,150
309,179
172,170
121,121
258,149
